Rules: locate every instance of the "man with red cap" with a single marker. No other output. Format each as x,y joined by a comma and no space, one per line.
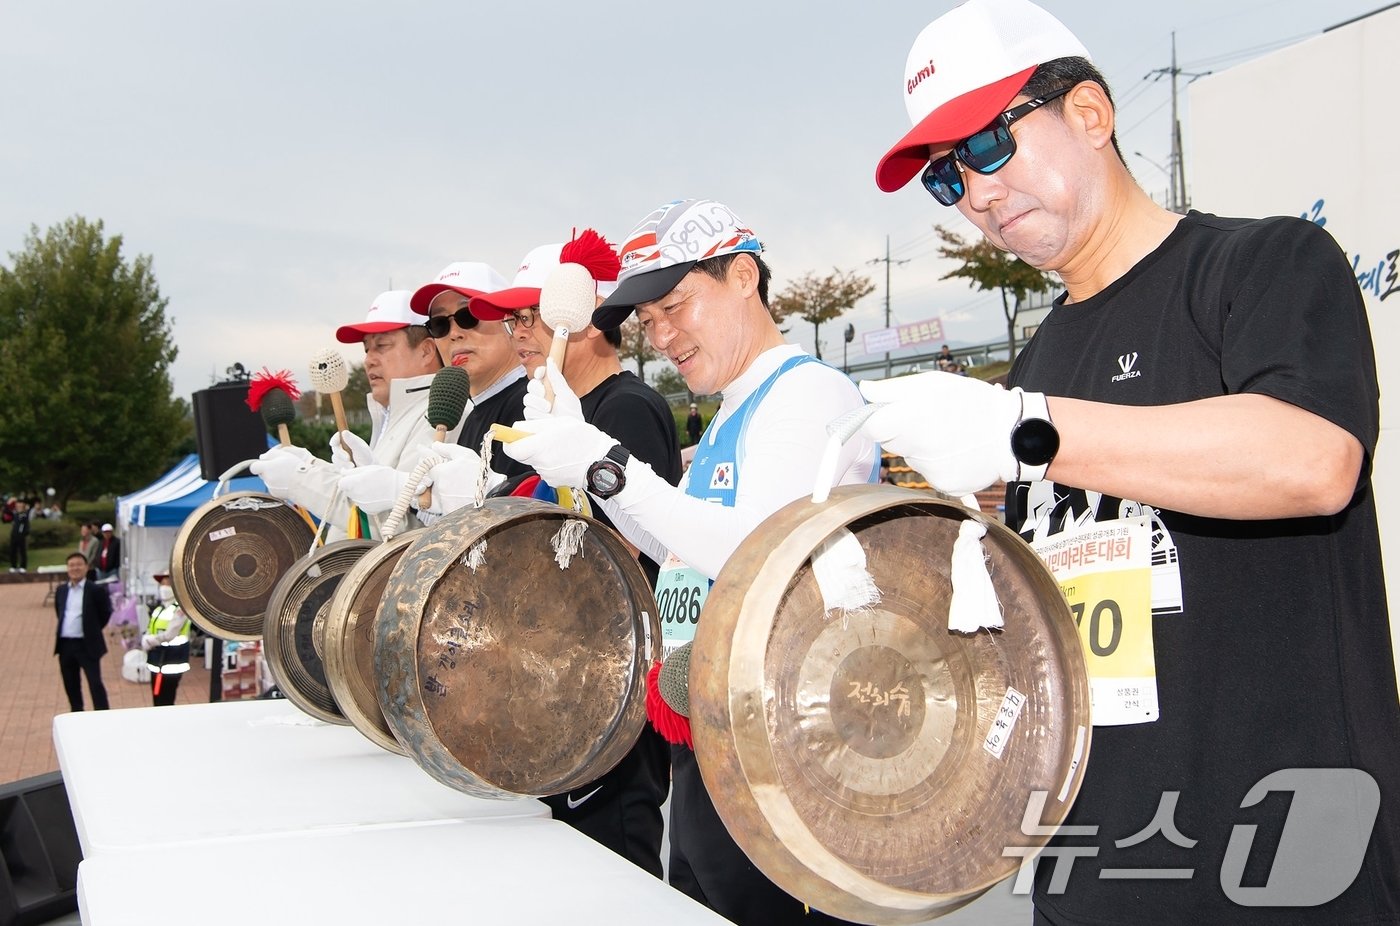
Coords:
496,383
400,360
481,346
1169,399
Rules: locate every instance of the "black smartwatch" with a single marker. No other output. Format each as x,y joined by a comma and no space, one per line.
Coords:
608,476
1034,439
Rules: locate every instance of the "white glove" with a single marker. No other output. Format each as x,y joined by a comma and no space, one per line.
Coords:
149,640
954,430
566,404
374,488
454,482
281,468
359,455
560,449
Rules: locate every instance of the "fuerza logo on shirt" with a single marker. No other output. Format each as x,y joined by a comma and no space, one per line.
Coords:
1126,363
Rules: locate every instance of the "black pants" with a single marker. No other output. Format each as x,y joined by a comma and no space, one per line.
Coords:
19,551
169,684
73,661
709,866
622,810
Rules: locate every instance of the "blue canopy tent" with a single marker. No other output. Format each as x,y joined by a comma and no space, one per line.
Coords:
149,520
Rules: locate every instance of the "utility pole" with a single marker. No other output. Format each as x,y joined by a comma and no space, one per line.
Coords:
1177,162
886,261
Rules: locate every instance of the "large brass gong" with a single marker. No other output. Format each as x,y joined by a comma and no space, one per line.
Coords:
502,673
228,556
293,629
875,764
348,639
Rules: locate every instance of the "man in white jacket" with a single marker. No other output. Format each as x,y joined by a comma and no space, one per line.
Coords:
400,360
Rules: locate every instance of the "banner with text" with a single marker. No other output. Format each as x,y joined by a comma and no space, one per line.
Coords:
929,331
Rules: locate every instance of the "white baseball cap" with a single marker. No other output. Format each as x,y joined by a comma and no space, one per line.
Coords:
389,312
965,69
464,277
665,246
587,248
524,290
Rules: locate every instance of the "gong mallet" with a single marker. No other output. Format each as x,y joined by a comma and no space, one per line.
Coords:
330,376
271,395
448,396
570,292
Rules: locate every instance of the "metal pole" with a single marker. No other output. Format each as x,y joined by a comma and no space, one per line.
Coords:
887,301
1176,135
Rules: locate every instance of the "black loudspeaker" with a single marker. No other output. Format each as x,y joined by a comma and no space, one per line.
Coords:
39,852
226,431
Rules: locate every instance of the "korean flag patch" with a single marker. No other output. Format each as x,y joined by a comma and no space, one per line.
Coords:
723,476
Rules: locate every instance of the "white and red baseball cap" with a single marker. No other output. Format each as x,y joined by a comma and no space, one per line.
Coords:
665,246
524,290
964,70
389,312
465,277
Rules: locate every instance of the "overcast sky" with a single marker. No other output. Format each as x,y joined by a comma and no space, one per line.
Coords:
283,163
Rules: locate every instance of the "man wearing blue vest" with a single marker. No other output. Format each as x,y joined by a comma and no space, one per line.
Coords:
167,644
693,273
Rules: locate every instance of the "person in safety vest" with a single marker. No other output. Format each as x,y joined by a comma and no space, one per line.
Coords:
167,644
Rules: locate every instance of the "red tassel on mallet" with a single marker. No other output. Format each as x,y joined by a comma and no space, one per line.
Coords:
673,727
271,395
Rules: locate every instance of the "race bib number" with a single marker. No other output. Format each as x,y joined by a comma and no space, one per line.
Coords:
680,594
1105,572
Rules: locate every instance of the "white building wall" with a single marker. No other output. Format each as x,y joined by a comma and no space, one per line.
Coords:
1312,130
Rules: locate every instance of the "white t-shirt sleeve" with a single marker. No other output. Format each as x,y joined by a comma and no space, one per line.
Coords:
782,449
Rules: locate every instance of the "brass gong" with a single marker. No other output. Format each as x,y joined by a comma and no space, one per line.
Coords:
875,764
348,640
502,673
293,629
228,556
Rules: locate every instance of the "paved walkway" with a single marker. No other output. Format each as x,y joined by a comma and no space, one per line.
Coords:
31,692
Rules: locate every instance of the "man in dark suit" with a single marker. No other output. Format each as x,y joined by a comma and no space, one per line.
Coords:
83,610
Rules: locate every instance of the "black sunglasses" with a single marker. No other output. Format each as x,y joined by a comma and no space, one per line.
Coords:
986,151
439,325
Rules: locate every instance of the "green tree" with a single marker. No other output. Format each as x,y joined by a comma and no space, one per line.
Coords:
986,267
820,299
670,382
357,387
85,349
636,347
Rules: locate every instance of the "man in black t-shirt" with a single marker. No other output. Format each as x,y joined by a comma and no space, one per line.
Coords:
1171,396
621,810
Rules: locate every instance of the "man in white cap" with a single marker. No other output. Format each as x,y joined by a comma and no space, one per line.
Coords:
108,558
482,348
693,273
400,360
621,810
1168,399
